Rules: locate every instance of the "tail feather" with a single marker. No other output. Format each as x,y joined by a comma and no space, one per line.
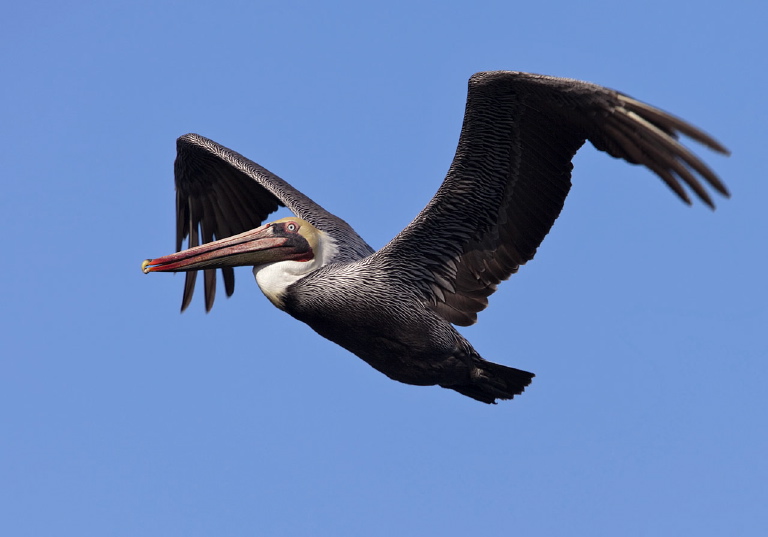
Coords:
492,381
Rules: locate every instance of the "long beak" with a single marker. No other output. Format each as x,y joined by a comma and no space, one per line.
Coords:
255,247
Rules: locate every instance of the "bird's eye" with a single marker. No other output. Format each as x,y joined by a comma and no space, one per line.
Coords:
290,226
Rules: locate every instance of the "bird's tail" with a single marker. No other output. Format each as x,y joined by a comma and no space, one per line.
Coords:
490,381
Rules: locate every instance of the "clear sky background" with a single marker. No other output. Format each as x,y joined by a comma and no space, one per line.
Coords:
644,320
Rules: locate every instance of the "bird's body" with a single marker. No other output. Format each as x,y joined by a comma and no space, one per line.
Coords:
412,345
373,316
395,308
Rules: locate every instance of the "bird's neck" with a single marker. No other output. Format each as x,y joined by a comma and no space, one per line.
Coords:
274,278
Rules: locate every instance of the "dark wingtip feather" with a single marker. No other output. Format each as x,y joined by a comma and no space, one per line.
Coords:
663,153
189,289
229,280
209,279
659,116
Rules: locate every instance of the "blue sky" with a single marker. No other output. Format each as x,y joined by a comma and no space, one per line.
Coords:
644,320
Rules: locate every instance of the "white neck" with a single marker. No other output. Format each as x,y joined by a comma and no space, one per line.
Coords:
274,278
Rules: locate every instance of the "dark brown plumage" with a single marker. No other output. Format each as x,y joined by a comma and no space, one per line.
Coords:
504,190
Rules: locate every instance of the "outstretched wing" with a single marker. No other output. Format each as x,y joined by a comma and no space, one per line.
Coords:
220,193
511,175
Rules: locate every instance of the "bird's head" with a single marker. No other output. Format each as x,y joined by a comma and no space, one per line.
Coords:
287,239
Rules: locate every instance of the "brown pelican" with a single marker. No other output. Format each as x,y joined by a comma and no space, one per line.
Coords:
395,308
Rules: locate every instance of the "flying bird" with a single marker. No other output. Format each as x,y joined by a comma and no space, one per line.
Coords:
395,308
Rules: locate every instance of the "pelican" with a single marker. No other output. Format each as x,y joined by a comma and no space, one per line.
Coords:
395,308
